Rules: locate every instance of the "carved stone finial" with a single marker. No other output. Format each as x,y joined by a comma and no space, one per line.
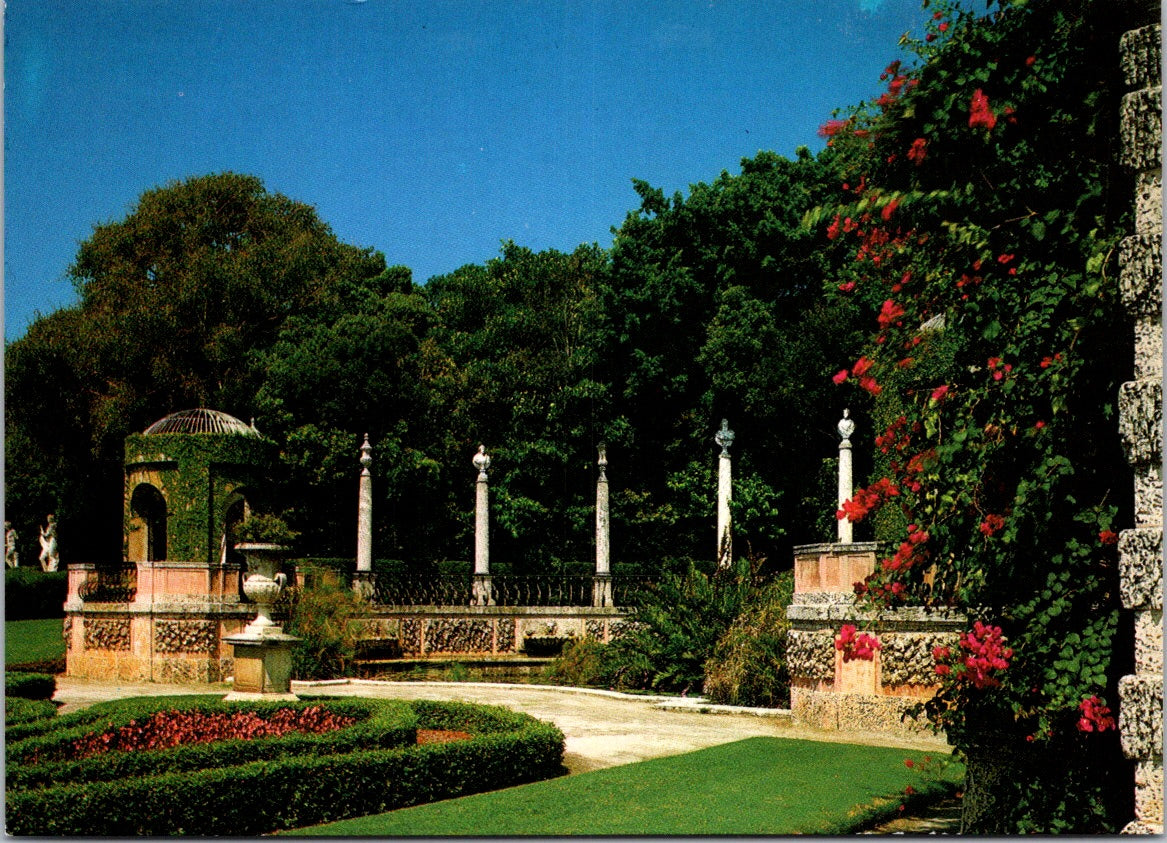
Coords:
366,456
481,461
724,437
603,461
846,426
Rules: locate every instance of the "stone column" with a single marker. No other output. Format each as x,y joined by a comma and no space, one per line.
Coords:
1141,424
363,578
482,595
846,484
602,590
724,438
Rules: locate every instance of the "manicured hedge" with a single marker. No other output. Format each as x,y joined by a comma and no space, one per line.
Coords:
31,593
21,710
31,686
334,776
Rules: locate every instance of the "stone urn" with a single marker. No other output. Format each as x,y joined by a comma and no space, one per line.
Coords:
264,583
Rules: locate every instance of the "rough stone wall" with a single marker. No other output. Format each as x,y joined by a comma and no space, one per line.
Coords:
1141,425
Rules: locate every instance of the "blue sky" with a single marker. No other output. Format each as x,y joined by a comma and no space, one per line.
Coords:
428,129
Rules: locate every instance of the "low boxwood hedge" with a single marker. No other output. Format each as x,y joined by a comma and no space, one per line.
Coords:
241,788
20,710
31,686
31,593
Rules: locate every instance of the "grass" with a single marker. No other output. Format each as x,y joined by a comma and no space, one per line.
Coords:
33,641
766,786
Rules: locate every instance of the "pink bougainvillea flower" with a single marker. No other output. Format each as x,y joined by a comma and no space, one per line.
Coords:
918,151
939,393
980,115
832,128
840,376
889,209
1031,61
847,287
1096,717
992,524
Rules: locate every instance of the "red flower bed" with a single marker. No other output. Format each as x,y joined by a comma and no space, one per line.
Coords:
165,729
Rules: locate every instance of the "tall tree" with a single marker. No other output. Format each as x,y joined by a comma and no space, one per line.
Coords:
175,301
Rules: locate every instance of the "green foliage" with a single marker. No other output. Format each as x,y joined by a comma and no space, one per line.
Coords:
748,665
582,663
18,709
978,227
223,789
266,528
30,686
30,593
325,617
675,628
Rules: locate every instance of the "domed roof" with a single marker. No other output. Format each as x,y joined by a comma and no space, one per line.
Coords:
202,421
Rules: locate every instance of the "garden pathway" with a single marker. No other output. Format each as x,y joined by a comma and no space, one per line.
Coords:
602,728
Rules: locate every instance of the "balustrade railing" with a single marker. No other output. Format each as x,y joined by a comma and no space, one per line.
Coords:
109,584
505,589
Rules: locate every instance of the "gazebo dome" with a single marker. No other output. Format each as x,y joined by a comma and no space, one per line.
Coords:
202,421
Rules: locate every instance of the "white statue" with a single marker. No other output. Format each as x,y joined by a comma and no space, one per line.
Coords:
49,557
10,556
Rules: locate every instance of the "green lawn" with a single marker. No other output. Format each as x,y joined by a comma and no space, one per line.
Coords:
33,641
769,786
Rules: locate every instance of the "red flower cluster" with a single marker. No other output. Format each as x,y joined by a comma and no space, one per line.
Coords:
1095,716
856,645
992,524
890,314
918,151
860,369
165,729
866,500
983,652
1108,537
999,371
980,115
909,552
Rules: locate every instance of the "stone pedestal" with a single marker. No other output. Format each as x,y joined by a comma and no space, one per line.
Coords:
858,695
263,666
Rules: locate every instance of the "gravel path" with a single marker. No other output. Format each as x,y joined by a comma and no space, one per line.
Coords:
602,728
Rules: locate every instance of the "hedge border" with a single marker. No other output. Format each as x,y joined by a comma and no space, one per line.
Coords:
23,710
30,686
382,724
508,748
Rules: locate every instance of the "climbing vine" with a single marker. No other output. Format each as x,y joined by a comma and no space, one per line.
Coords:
975,224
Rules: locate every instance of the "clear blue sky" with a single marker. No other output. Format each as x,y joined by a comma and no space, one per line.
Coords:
428,129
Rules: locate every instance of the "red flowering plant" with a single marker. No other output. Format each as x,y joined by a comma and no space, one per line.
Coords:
972,225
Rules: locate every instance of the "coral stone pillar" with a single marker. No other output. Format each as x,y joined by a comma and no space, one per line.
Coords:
482,595
602,591
363,580
846,484
1141,421
724,438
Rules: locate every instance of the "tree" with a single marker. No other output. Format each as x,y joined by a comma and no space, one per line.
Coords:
713,309
175,303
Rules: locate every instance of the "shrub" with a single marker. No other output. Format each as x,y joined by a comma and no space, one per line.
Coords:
30,593
748,665
21,710
316,784
31,686
583,662
675,628
324,616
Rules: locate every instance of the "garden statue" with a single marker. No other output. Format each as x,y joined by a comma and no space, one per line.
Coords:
10,556
49,557
845,427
